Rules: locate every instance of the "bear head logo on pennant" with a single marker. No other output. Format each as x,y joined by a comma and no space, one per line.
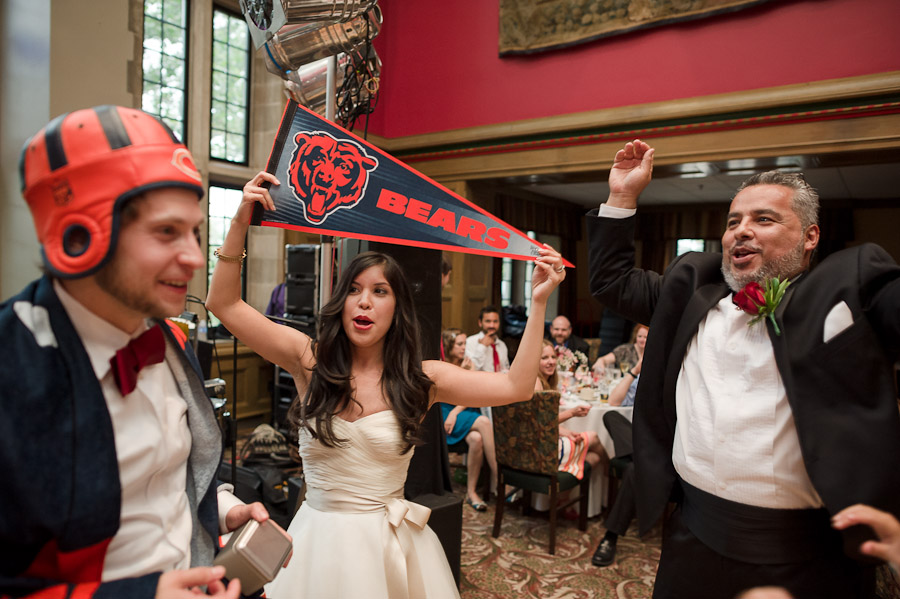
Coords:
327,174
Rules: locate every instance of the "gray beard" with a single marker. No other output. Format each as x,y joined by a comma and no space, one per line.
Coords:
784,267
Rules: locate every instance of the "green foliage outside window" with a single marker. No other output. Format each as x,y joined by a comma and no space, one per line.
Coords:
165,61
223,203
230,88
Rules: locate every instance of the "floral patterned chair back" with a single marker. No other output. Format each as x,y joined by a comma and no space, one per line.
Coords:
526,434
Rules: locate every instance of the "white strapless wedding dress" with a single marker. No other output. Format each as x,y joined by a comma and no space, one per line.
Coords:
355,536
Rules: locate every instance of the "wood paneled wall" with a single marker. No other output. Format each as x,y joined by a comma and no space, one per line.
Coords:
254,379
470,286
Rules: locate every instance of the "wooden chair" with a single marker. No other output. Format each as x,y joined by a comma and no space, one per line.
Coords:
527,439
593,349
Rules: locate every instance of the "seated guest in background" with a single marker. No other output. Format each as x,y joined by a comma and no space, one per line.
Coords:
112,454
623,393
777,407
485,348
548,380
561,334
468,423
626,355
454,343
624,508
276,304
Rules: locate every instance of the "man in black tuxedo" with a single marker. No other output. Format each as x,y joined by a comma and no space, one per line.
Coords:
561,334
757,435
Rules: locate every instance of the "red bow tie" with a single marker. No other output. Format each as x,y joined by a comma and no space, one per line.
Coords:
149,348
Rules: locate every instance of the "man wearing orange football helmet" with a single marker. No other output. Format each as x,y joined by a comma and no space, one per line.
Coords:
111,443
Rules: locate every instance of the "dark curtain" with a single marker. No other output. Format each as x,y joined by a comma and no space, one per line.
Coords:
836,228
554,218
659,227
529,212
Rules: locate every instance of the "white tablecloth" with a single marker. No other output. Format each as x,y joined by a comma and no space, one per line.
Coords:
592,422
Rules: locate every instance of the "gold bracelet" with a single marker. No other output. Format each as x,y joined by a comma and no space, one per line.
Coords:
235,259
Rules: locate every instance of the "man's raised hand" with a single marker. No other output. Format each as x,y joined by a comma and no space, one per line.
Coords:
631,171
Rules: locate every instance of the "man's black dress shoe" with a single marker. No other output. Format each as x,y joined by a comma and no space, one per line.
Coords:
605,553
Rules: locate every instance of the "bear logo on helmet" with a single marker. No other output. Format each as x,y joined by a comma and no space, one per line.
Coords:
62,193
184,162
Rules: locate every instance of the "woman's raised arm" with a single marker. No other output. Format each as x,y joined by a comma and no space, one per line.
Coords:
460,387
282,345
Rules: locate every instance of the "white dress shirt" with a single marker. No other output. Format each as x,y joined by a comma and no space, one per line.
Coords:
482,356
153,443
735,435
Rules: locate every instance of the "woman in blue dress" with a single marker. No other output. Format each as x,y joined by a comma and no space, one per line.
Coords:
468,423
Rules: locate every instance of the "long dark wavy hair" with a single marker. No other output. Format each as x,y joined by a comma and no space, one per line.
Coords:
405,386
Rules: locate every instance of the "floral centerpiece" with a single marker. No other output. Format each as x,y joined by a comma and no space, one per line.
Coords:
575,362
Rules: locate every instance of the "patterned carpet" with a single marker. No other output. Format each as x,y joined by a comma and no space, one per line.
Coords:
517,563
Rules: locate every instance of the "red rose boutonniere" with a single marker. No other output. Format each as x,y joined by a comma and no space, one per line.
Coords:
761,301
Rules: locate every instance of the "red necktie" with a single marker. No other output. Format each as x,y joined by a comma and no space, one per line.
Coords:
149,348
496,358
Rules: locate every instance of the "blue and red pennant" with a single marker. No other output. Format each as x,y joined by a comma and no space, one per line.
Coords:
334,183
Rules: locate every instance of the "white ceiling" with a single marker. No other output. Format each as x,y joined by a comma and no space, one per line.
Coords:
709,183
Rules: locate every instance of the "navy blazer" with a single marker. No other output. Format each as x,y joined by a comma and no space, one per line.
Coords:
842,392
60,498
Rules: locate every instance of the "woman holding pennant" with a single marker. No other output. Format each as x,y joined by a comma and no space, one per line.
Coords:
363,391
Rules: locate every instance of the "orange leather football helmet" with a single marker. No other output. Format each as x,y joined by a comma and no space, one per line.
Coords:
78,172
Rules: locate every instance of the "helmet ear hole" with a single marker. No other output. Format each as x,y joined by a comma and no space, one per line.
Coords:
82,245
76,240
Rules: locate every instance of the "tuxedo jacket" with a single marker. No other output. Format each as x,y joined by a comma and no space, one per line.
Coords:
576,343
60,496
841,391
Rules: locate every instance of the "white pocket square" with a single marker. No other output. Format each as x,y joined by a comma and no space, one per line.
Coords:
839,318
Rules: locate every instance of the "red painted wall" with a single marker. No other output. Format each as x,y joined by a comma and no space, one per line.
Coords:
441,69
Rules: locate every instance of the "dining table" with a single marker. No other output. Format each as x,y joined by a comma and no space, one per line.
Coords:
593,421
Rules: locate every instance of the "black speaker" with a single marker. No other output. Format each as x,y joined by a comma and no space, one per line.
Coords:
423,273
204,356
283,393
300,297
446,522
247,484
296,495
301,262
